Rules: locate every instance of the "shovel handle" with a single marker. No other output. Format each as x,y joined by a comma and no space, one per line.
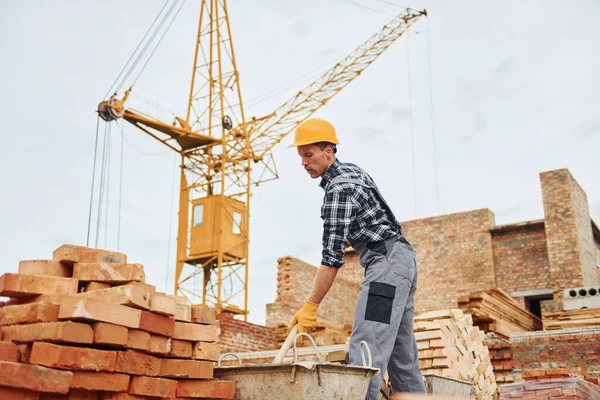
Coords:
289,341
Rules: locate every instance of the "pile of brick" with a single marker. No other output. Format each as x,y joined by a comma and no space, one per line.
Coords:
84,325
548,384
495,311
449,345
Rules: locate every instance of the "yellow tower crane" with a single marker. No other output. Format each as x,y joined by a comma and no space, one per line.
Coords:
224,153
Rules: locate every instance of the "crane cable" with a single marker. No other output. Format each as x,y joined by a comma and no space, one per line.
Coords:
145,43
171,221
87,241
412,132
135,51
437,191
101,189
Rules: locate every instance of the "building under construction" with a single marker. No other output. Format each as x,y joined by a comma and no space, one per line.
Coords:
502,311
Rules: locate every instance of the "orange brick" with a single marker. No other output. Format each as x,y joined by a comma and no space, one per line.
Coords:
67,332
134,363
180,299
34,377
533,373
157,387
104,381
180,349
195,332
190,369
149,288
158,324
91,286
206,389
108,273
206,351
88,309
126,396
183,312
570,392
70,254
18,285
73,358
17,394
45,267
40,298
82,395
9,352
109,334
549,392
28,313
159,345
162,304
126,295
137,339
72,395
203,315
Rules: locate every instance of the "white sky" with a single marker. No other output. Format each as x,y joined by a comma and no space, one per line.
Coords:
515,92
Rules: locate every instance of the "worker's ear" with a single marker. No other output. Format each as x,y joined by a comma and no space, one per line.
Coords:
329,151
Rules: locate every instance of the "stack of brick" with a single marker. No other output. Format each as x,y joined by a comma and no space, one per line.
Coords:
549,384
449,345
84,325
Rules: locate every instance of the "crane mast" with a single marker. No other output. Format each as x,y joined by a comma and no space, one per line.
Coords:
223,154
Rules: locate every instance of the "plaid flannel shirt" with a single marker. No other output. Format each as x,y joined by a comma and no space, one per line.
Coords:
351,212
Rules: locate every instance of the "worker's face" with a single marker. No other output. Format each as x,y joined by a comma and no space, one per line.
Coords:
314,160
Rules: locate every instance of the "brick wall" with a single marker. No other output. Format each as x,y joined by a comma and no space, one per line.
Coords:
240,336
455,256
294,282
596,244
521,257
573,349
585,235
568,231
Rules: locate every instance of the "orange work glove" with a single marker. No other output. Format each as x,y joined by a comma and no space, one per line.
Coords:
306,318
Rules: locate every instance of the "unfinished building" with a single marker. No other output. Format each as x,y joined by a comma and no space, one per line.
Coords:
547,266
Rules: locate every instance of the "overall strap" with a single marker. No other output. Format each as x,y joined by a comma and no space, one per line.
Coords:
342,179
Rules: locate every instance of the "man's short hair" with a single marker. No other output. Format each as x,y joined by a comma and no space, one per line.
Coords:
322,146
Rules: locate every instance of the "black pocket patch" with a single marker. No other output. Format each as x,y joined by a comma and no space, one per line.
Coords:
380,302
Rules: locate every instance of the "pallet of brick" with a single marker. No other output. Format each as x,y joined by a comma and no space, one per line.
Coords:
564,388
450,346
587,317
86,325
495,311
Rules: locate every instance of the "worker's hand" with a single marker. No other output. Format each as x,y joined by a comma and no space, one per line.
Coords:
306,318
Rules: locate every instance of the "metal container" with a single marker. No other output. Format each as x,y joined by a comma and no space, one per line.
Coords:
300,380
440,385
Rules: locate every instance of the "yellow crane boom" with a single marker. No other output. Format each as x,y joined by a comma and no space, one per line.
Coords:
220,149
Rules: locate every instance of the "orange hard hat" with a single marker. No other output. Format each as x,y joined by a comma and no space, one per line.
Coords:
314,130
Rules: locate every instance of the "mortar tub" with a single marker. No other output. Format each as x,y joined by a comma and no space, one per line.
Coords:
300,380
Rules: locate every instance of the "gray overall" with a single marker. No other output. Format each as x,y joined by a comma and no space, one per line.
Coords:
385,309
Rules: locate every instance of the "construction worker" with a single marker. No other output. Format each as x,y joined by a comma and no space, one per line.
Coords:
354,210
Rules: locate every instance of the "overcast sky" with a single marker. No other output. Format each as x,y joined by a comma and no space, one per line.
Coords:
513,87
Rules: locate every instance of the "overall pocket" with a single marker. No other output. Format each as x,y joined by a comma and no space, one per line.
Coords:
380,302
